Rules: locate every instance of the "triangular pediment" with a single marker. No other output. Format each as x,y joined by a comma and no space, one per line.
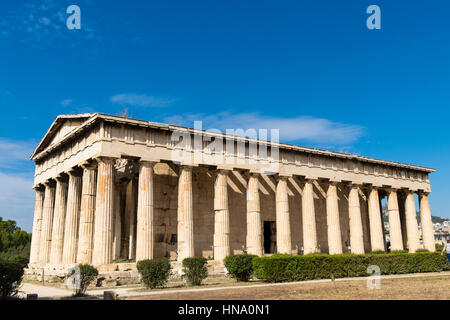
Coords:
61,127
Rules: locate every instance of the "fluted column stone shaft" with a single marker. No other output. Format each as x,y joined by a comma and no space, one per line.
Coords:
283,223
221,217
333,221
130,218
309,219
87,211
356,228
47,222
72,218
375,222
411,223
427,224
395,228
145,219
59,216
254,224
185,214
37,225
104,213
117,241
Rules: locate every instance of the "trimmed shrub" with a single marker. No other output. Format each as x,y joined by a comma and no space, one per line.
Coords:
155,272
240,266
11,273
87,274
278,268
195,270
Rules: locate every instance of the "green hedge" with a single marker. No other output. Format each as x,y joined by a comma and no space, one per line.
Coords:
155,272
240,266
195,270
283,267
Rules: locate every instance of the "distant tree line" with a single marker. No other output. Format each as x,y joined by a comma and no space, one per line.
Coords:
14,241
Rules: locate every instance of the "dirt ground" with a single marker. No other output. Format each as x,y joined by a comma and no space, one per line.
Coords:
433,288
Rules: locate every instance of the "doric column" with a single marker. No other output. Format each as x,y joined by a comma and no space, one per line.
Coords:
375,222
130,218
117,240
254,225
145,222
427,224
221,217
401,208
72,218
356,228
283,223
59,216
395,228
185,214
411,223
333,223
309,219
104,213
37,224
86,232
47,222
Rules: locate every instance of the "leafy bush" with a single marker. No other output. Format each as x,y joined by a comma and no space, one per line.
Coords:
439,247
240,266
155,272
11,273
88,274
195,270
279,268
20,259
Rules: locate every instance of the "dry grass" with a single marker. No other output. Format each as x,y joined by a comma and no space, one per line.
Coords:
430,287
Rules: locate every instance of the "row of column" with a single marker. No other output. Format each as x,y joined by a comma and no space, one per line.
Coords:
74,217
254,239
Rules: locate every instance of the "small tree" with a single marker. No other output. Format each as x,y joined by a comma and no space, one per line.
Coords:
87,274
11,273
240,266
155,272
195,270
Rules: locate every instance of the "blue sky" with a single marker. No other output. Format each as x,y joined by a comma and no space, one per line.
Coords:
310,68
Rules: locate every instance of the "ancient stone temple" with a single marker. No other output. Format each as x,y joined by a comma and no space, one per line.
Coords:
113,190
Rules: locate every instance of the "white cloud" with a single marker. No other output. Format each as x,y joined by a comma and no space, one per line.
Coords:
302,128
17,199
140,100
13,151
66,102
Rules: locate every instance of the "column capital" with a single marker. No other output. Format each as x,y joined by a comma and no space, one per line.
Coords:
390,189
104,159
39,187
74,171
186,166
147,163
61,177
89,164
423,193
49,182
334,181
282,177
